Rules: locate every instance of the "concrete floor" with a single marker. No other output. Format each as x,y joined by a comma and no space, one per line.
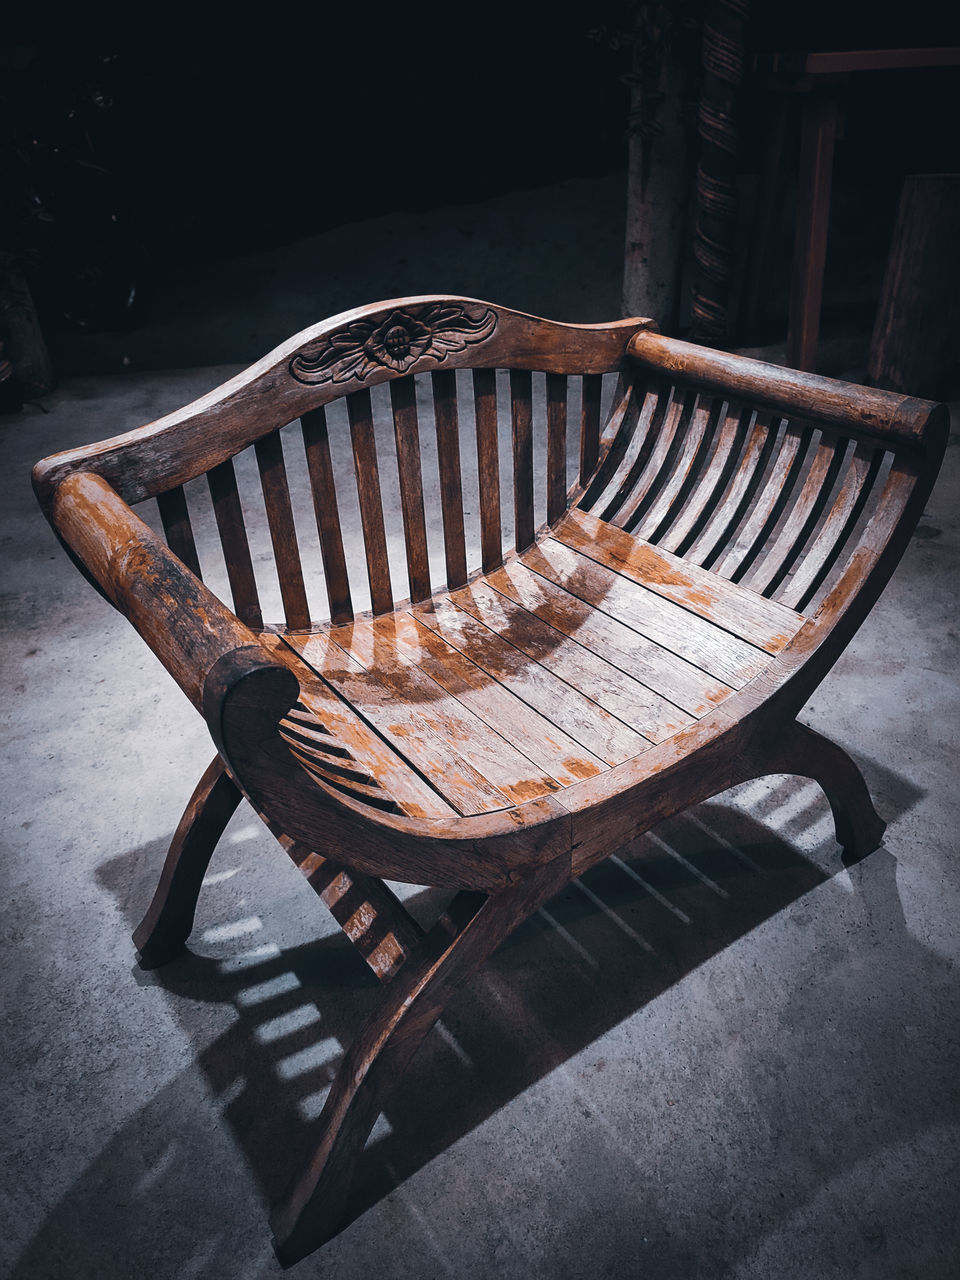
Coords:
748,1068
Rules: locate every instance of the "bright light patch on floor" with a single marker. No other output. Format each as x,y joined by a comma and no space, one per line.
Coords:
218,877
311,1104
654,893
248,959
304,1015
792,806
235,929
614,918
245,833
453,1043
319,1054
694,870
153,1175
569,939
382,1129
263,991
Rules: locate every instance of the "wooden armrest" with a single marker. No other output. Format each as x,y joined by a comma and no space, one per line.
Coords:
204,646
869,412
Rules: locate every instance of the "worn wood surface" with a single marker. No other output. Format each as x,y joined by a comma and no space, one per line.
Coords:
316,442
403,399
488,467
648,647
222,482
862,411
283,533
163,931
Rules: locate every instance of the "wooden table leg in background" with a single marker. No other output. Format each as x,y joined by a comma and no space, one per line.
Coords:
818,134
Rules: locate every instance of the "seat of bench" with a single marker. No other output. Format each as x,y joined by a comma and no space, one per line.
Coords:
580,653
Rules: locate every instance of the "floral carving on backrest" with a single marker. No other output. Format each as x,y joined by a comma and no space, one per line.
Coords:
397,342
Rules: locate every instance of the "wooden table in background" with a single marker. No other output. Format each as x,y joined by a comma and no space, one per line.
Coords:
821,79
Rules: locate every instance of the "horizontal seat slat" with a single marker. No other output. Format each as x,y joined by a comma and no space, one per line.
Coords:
699,641
764,623
468,762
539,687
403,733
540,740
649,714
664,673
415,797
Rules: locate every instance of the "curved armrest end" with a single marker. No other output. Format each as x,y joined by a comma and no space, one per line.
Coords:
245,695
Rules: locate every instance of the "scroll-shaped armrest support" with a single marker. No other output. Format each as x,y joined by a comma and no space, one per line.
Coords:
205,647
882,416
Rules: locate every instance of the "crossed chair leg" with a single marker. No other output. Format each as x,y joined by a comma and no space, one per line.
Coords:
418,989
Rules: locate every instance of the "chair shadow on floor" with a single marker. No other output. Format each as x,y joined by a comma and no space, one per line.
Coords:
603,949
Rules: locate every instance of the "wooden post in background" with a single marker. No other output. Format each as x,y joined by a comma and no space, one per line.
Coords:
659,168
916,336
715,232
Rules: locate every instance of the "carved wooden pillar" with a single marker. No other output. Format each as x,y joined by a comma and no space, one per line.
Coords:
714,233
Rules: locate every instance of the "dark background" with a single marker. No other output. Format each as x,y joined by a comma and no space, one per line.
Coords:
138,141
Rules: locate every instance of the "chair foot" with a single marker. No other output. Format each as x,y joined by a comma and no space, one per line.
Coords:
412,1002
162,932
805,752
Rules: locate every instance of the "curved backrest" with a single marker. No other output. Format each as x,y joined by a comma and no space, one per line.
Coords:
352,438
769,477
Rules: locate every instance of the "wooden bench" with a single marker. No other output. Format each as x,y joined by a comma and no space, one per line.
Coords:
647,642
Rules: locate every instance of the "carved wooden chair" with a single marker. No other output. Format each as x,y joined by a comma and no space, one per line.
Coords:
647,642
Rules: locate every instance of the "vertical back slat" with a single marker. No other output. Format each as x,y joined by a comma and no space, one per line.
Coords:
628,426
735,502
769,502
639,433
556,446
448,461
371,504
647,478
222,480
820,557
283,533
177,529
403,399
702,501
777,558
686,471
590,424
521,414
316,445
488,467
